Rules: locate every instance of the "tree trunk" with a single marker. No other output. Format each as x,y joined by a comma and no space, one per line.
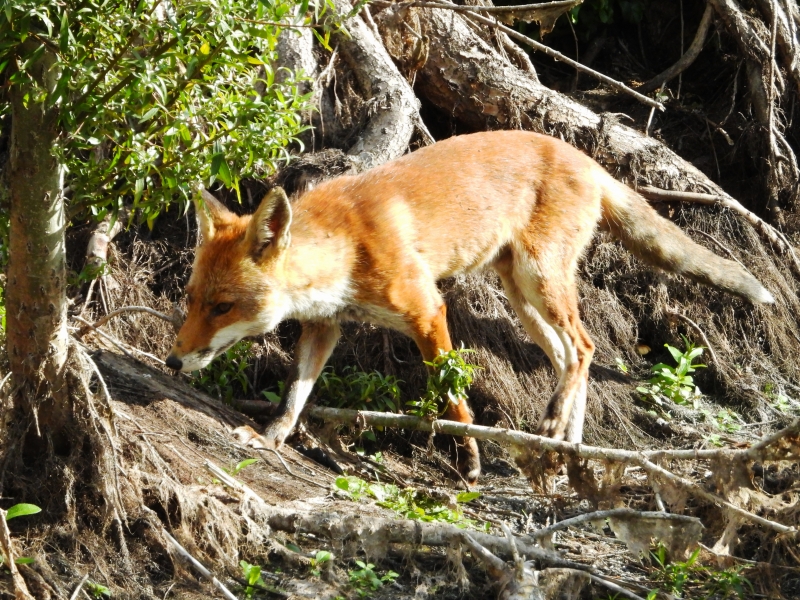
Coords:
36,292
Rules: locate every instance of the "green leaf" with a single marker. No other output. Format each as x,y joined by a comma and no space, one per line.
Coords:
63,37
246,463
224,174
22,510
148,115
24,560
216,163
464,497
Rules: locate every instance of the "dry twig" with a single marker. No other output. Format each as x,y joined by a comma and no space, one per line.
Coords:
687,59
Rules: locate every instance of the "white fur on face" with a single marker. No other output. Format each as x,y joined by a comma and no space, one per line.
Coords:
222,340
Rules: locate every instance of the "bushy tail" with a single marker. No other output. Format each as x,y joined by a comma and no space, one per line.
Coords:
661,243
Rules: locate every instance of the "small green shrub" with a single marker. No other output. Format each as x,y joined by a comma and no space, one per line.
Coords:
777,400
97,590
252,575
449,379
675,383
359,390
409,502
234,470
225,377
365,580
691,580
320,558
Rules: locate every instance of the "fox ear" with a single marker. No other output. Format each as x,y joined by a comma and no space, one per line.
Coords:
210,213
268,230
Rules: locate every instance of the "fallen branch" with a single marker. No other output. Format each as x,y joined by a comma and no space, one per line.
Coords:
517,583
617,85
605,514
684,61
534,443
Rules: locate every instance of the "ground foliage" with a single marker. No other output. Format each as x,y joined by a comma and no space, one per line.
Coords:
157,443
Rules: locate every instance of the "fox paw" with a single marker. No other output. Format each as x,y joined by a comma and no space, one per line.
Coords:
272,438
468,462
551,428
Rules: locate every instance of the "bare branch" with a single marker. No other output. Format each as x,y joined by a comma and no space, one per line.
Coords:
687,59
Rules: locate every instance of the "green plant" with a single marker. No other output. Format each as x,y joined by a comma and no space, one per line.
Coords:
449,379
675,383
20,510
234,470
252,575
2,310
621,365
692,579
365,580
409,502
673,576
320,558
778,401
359,390
225,378
97,590
89,272
723,584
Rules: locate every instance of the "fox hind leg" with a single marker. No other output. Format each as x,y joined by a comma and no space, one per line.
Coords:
548,309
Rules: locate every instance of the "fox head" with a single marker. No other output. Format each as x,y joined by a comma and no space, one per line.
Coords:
236,288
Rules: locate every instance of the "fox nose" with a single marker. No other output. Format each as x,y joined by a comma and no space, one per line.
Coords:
173,362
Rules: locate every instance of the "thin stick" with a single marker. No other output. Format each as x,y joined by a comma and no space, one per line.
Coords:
530,42
144,309
687,58
117,343
290,472
495,9
5,379
200,568
20,588
79,587
654,469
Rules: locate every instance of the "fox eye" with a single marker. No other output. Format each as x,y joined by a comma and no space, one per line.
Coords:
221,308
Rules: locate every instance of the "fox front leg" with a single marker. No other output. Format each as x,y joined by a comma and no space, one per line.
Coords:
313,349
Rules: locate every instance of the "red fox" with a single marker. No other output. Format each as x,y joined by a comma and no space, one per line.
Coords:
371,247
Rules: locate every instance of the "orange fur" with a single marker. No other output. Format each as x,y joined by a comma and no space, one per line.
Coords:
372,247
